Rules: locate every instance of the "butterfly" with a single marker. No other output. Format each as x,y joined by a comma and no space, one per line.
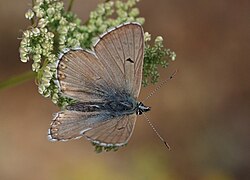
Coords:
106,83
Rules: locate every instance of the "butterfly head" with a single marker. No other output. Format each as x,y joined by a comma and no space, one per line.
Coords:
141,108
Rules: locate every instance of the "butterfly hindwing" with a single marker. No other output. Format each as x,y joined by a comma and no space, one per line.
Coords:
68,125
116,132
100,128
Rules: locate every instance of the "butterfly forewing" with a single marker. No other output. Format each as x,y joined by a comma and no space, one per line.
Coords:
81,76
121,52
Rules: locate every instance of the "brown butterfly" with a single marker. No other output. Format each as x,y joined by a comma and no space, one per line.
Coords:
106,83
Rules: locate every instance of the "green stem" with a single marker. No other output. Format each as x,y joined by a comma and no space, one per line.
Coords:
32,19
16,80
70,5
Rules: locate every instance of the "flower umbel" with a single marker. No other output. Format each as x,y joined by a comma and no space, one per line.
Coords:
155,55
54,28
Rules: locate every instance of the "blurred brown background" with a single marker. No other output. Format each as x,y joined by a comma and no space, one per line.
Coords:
203,112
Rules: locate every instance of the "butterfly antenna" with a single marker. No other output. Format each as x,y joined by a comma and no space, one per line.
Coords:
161,138
160,85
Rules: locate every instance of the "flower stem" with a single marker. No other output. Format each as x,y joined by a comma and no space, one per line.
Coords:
70,5
16,80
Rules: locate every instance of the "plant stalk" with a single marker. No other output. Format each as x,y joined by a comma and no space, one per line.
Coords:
70,5
16,80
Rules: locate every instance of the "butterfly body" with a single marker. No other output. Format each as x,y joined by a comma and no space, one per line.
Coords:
105,82
114,108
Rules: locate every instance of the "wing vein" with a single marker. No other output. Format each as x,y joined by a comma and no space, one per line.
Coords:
112,57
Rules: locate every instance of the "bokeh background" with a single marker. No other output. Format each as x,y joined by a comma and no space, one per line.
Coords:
204,112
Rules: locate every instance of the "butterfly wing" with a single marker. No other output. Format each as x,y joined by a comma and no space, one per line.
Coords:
121,51
115,132
114,66
81,76
100,128
68,125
